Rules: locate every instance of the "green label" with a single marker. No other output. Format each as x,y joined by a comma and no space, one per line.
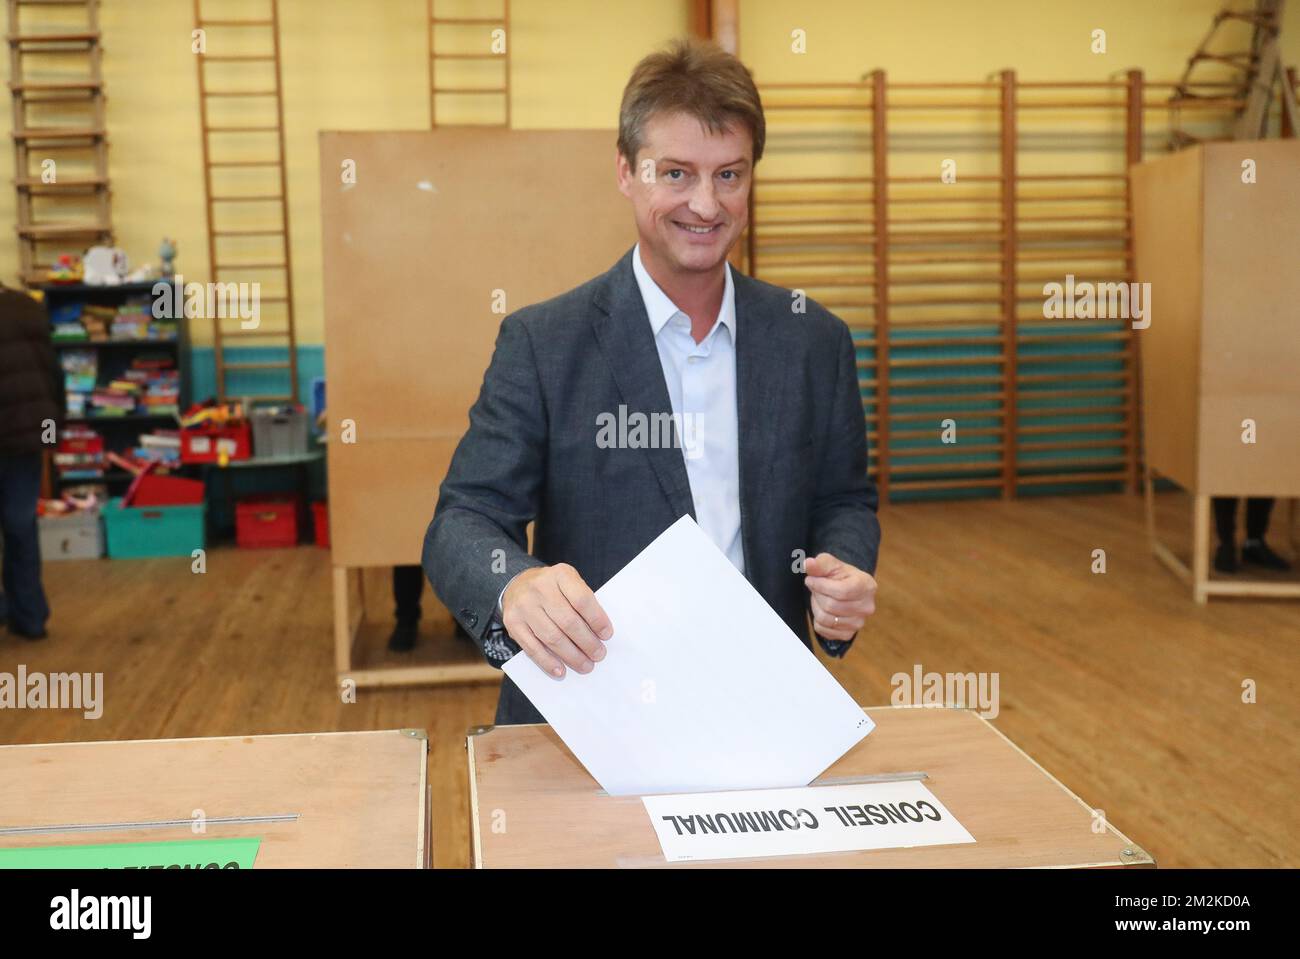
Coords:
174,854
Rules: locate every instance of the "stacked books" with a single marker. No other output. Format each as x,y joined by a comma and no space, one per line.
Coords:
134,320
116,399
160,446
131,322
96,320
66,324
151,385
91,323
158,382
80,369
80,454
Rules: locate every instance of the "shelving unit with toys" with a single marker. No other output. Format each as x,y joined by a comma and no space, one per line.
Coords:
126,379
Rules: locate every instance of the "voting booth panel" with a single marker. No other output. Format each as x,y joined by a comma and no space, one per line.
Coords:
1224,340
1221,358
430,239
316,800
534,805
443,233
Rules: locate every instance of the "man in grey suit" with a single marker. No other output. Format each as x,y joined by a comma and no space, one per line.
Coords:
767,447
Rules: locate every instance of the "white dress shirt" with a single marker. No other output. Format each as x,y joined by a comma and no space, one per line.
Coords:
701,380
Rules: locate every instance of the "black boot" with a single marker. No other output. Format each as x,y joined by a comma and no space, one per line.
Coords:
25,634
402,639
1256,551
1225,558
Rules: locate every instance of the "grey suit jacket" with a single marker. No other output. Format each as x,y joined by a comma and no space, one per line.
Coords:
531,454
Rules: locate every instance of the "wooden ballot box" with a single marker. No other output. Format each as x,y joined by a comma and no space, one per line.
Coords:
329,800
1216,229
533,804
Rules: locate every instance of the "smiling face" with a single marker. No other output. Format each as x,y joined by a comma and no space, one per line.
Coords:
697,204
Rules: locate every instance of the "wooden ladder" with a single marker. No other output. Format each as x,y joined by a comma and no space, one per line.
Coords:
241,113
57,85
1267,70
1258,69
486,51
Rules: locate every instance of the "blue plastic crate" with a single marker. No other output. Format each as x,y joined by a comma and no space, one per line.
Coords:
138,532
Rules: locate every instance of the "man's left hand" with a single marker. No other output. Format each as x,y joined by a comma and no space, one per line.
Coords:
843,596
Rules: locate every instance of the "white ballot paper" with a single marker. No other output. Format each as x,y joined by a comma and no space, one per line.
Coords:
703,686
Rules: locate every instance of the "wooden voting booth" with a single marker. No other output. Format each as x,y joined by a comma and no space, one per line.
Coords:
430,238
320,800
1223,348
555,814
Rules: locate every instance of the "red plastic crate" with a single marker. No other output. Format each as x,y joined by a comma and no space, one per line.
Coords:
205,444
153,490
266,523
320,512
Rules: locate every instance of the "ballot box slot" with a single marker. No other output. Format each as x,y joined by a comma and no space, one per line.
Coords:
144,824
832,781
874,778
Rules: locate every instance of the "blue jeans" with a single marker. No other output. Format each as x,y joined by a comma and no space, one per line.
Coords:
24,597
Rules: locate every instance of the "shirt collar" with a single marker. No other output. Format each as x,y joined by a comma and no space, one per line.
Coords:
661,309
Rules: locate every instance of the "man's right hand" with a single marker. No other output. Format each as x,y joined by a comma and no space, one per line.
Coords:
554,617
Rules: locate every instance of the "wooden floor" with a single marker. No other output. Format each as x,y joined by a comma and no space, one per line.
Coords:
1116,683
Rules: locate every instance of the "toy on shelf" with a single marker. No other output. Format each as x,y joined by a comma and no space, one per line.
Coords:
105,266
167,257
66,269
215,433
210,412
142,274
76,500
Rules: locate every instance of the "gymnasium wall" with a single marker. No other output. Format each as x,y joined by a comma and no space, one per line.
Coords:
348,65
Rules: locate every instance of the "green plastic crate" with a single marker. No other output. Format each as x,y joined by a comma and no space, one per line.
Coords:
138,532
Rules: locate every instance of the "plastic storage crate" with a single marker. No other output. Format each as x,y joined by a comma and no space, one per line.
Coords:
207,444
77,535
267,523
152,489
136,532
279,432
320,511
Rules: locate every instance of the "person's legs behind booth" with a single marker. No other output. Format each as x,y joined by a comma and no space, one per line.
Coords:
1254,550
408,584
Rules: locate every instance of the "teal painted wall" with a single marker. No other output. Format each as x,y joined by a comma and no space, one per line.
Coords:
1098,357
203,371
1101,357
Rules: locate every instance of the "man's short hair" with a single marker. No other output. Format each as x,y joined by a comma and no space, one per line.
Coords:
697,78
